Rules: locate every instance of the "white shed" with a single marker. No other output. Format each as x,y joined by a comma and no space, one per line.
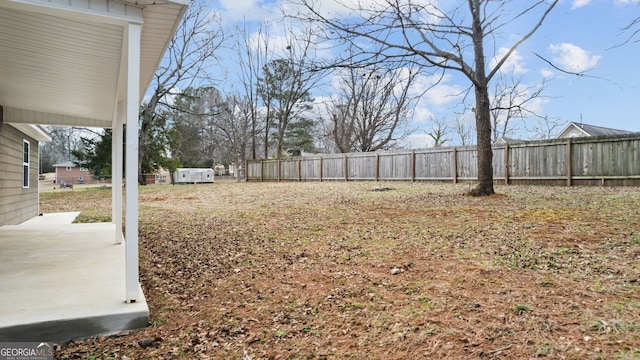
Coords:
193,176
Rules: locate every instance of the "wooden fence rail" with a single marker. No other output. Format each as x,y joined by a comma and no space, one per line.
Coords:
604,160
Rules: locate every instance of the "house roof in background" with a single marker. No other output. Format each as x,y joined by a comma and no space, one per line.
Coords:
65,164
505,140
592,130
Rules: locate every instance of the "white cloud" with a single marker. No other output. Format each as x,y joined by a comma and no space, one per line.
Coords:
438,90
514,63
416,141
422,114
443,94
573,58
238,6
579,3
547,73
170,97
277,39
240,10
343,8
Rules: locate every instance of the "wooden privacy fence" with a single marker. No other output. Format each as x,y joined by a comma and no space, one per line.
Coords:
604,160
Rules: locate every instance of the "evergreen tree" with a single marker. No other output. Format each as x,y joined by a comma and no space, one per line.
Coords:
96,155
286,95
299,137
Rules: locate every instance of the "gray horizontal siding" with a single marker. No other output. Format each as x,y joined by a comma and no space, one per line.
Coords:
16,203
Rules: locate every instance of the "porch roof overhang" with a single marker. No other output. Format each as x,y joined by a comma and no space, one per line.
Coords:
65,62
35,131
88,63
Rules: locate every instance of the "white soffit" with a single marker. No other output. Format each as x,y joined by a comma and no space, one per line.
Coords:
62,62
57,65
22,116
105,11
34,131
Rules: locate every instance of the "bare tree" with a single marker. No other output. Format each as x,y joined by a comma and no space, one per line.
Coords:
430,35
235,127
326,139
630,31
188,58
64,140
342,128
438,131
371,110
253,53
545,127
285,86
463,129
193,120
512,100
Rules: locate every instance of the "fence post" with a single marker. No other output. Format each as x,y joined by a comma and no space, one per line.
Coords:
413,165
261,170
320,168
299,171
346,167
377,166
506,164
569,162
278,169
455,165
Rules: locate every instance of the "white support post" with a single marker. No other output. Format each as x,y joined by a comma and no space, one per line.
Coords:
131,170
116,171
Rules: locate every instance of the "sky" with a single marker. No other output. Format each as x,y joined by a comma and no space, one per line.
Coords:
580,36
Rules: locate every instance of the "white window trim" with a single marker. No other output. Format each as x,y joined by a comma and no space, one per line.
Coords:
26,165
67,168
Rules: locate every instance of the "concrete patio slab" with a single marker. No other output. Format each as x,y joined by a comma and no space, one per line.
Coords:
63,281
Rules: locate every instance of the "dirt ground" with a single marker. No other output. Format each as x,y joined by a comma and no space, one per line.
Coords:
378,271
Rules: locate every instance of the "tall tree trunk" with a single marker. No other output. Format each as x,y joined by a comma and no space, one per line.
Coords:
143,139
485,153
266,131
280,139
483,107
253,133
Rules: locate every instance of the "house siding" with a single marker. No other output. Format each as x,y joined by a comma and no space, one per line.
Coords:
17,204
571,133
72,176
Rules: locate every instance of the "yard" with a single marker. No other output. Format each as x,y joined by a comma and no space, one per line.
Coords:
374,270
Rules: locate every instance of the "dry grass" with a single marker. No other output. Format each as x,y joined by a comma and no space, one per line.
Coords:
303,271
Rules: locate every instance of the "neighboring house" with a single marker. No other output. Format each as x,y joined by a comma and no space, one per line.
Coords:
71,174
19,176
582,130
